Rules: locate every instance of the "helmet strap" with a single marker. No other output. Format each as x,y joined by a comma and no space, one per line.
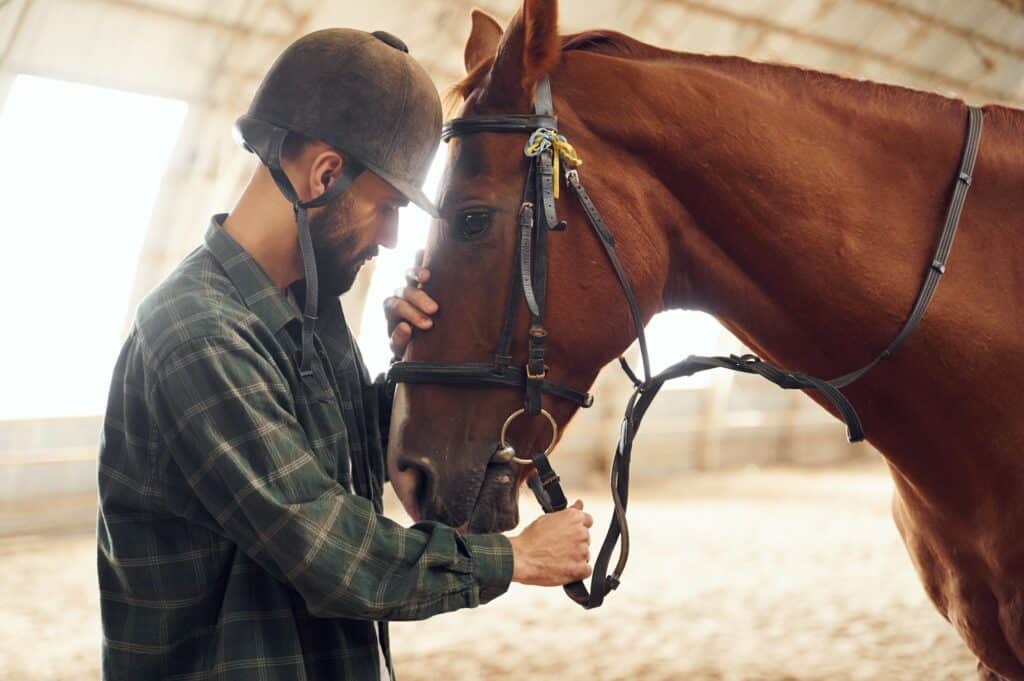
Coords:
349,172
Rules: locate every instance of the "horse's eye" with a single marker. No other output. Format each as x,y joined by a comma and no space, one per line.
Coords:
473,223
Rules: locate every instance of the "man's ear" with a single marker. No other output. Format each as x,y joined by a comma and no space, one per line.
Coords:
528,50
323,171
483,40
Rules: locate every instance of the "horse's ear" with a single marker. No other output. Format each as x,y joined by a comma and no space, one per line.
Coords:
529,49
483,39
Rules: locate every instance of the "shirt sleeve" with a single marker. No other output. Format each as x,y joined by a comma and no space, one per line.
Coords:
226,415
384,393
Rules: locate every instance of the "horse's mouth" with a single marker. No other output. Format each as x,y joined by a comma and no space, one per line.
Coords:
496,508
482,500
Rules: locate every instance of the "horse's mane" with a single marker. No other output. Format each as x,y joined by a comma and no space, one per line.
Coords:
598,41
616,44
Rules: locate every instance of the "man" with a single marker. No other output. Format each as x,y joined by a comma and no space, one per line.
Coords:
241,463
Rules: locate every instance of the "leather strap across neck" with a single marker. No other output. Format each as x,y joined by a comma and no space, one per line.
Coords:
537,217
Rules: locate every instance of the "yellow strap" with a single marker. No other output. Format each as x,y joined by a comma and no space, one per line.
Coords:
543,138
558,177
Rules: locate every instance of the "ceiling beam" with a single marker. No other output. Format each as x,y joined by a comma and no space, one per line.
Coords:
16,26
965,34
199,21
964,87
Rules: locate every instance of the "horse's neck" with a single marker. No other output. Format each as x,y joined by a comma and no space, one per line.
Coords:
815,206
805,208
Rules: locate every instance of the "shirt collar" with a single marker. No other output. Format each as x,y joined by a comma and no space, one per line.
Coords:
261,295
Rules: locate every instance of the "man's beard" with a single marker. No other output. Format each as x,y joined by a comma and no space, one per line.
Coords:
334,242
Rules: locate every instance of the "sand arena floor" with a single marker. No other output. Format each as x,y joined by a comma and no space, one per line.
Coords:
790,575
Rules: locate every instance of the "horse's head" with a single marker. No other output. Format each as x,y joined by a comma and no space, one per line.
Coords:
444,438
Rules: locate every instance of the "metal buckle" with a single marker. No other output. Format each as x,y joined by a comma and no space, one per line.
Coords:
536,377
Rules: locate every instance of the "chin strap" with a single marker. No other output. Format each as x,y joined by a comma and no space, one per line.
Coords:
349,172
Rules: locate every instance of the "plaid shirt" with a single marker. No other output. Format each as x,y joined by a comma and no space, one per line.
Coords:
239,533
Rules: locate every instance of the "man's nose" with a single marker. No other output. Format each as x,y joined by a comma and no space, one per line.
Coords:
388,235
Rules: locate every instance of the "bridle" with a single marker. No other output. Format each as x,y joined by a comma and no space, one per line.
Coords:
537,217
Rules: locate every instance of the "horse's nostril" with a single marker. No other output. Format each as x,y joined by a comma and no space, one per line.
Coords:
425,485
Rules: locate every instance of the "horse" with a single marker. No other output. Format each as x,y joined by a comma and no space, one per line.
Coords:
798,208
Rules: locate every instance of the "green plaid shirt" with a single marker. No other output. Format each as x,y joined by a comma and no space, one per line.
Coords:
239,533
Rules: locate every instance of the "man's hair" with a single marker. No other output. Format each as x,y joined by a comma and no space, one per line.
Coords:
294,144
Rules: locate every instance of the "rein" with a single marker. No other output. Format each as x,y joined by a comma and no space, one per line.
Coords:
549,152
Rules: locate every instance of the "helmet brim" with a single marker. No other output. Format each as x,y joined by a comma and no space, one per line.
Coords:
265,139
408,190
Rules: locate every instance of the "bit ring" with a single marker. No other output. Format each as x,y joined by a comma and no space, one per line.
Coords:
512,417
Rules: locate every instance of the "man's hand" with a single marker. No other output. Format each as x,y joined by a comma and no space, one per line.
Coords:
554,549
410,306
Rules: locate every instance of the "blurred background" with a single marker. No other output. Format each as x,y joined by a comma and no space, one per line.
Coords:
762,543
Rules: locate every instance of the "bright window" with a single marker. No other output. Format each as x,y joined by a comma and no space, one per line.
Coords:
80,169
674,335
389,273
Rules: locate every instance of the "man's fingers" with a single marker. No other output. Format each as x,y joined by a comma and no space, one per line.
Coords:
389,305
588,520
417,276
577,504
420,299
400,338
402,310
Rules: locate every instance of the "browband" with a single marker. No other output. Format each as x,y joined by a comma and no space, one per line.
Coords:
503,123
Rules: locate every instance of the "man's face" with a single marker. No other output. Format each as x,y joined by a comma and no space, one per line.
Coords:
347,232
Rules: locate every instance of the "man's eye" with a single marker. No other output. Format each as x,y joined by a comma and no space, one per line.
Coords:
473,223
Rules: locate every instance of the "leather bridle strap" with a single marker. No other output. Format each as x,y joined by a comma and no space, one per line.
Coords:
938,266
537,217
506,123
477,374
546,486
604,236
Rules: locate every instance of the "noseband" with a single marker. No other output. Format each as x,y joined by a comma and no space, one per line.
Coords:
547,150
